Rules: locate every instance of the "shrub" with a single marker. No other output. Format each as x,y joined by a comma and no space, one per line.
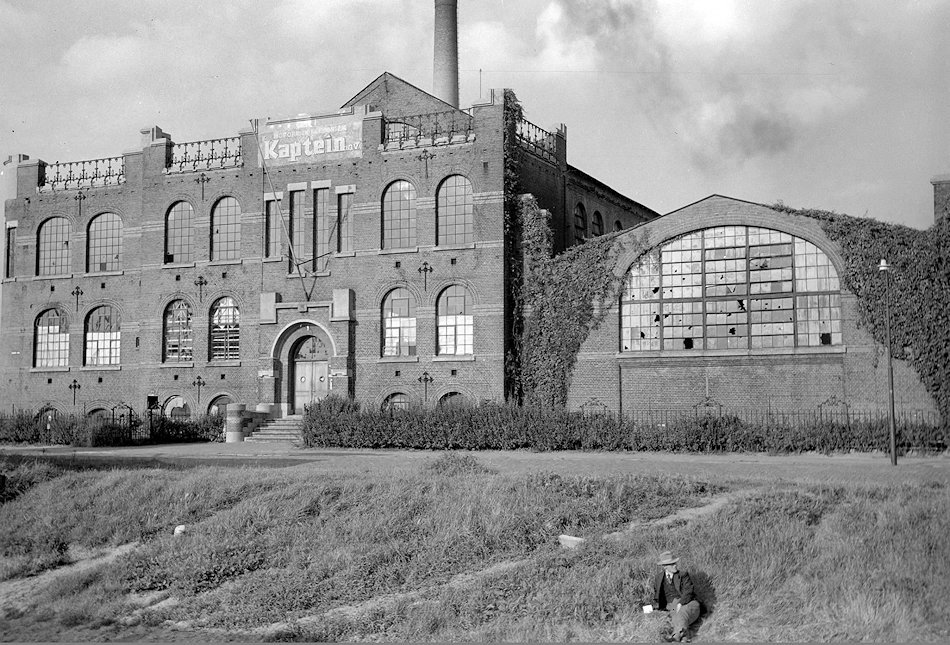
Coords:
206,428
340,423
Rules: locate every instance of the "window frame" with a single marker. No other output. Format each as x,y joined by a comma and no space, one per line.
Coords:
224,337
52,247
450,217
401,220
731,287
455,333
104,243
179,229
184,332
57,347
399,339
225,230
111,342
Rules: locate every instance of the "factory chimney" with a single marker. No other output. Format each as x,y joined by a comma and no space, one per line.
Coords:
445,77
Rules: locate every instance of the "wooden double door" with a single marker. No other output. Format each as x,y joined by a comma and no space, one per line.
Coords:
310,372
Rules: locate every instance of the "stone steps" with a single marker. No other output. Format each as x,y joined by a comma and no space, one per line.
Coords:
286,429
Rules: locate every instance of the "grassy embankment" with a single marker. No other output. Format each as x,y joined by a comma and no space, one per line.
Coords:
360,556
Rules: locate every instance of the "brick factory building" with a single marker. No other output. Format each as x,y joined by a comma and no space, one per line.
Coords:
361,252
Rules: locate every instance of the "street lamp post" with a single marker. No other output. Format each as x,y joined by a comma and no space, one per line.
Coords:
885,268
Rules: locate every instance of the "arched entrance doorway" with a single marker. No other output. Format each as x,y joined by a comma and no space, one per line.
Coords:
309,371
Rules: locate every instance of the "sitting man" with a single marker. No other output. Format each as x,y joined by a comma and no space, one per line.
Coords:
673,591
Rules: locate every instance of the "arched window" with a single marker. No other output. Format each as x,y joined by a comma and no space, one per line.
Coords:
102,337
226,230
453,400
177,346
52,255
179,238
580,223
597,224
104,243
399,323
618,225
399,215
455,212
225,330
177,409
731,287
51,339
396,401
219,405
455,323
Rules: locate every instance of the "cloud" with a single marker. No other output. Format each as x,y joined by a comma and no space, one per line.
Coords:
93,60
733,80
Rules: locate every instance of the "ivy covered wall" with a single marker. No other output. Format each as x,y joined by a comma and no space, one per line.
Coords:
919,289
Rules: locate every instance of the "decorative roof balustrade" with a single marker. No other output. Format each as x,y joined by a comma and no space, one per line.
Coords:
212,154
449,126
93,173
536,140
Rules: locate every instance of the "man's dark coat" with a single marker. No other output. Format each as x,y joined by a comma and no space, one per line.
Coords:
682,584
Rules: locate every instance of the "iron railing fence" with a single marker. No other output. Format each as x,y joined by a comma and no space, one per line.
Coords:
434,125
91,173
537,140
212,154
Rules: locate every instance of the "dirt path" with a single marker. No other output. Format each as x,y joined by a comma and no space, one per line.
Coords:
18,594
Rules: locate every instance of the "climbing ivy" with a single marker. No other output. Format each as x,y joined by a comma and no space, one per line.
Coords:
565,297
919,289
513,253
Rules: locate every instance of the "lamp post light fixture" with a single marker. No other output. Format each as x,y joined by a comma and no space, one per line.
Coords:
199,383
885,268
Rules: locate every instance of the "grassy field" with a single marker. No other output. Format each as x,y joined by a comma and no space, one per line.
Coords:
456,551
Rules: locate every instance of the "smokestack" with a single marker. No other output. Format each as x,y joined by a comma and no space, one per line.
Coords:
445,77
941,184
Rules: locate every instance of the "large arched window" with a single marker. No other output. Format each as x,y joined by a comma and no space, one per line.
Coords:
399,215
225,330
399,323
102,337
580,223
455,324
226,230
52,252
455,212
732,287
597,224
396,401
51,339
104,243
177,333
179,236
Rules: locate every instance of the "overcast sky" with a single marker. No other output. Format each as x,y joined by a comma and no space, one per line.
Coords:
841,105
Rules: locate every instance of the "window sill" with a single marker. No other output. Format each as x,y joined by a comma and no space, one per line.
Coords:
397,359
733,353
454,247
224,363
180,364
179,265
217,263
50,369
345,254
459,358
96,274
58,276
274,259
100,368
407,249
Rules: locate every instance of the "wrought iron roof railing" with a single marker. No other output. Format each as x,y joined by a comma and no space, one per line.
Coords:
92,173
435,125
212,154
537,140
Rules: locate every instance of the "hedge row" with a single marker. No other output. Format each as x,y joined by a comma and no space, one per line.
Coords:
337,422
28,427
